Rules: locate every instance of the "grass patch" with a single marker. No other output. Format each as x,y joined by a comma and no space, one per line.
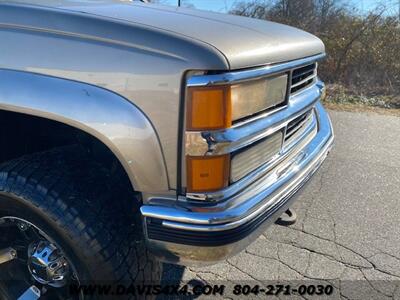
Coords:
362,108
341,98
339,95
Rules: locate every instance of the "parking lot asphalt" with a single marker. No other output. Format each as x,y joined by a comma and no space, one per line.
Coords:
347,233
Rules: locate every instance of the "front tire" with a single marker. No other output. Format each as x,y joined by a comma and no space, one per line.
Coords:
83,209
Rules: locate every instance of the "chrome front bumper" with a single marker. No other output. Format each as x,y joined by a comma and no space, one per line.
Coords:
205,235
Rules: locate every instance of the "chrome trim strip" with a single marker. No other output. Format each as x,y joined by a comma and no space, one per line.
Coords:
304,80
258,197
256,73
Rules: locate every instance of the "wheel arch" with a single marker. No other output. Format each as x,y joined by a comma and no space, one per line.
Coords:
117,123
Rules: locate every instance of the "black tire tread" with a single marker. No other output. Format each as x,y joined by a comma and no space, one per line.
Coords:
90,206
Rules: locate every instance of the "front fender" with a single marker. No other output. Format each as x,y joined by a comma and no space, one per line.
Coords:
113,120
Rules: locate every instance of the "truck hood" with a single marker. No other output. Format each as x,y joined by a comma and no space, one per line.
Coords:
245,42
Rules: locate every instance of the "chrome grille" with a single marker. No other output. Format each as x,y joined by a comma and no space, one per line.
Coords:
298,128
303,77
246,161
295,125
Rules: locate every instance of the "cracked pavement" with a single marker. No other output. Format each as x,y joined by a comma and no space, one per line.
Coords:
347,232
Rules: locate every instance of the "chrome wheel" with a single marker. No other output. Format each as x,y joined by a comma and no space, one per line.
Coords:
47,265
31,262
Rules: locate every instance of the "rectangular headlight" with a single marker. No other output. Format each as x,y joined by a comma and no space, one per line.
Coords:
216,107
252,97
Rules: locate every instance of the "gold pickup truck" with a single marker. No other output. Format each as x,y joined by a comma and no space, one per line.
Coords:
134,134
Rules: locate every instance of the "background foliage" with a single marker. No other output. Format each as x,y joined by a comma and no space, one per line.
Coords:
363,62
363,46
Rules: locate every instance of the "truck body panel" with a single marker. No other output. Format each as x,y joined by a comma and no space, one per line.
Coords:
126,73
143,65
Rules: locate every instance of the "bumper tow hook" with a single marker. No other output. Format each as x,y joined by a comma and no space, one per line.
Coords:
289,217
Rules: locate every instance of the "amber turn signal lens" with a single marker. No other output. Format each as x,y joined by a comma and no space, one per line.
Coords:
209,108
207,173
